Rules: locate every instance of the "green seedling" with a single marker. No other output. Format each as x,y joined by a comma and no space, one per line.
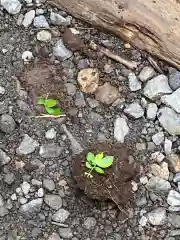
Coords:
97,163
49,105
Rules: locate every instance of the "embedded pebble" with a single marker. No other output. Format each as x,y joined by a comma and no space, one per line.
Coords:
7,123
61,215
25,187
121,129
28,18
146,73
27,56
31,207
167,146
107,93
157,217
4,158
158,185
134,84
53,201
89,223
50,150
49,184
173,198
12,6
50,134
172,100
54,236
158,138
151,111
135,110
44,36
57,19
61,52
40,22
27,146
161,170
174,78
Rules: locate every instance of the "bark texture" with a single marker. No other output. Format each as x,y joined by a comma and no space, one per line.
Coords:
151,25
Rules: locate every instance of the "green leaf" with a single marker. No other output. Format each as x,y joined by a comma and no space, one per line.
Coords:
50,103
99,156
40,101
53,111
105,162
88,165
90,157
99,170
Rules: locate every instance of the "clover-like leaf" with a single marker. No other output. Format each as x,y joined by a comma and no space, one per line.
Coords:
99,170
90,157
105,162
53,111
88,165
99,156
50,103
40,101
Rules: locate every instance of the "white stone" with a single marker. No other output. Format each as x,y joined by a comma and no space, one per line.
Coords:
60,51
27,56
41,22
167,146
61,215
44,36
158,138
50,134
146,73
172,100
13,197
28,18
121,129
40,192
2,90
134,84
57,19
173,198
151,111
25,187
157,217
144,180
27,146
135,110
157,87
157,156
12,6
143,221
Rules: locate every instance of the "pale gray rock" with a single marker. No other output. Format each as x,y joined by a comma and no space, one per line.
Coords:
50,150
28,18
54,236
167,146
27,146
147,73
7,123
49,184
174,220
158,185
174,78
57,19
53,201
4,158
61,215
61,52
151,111
12,6
157,217
89,223
44,36
173,198
158,138
40,22
172,100
134,110
121,129
134,83
50,134
32,207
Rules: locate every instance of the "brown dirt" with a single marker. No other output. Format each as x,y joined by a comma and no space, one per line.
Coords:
115,184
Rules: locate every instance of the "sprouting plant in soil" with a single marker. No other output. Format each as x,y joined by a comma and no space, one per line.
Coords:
50,106
97,163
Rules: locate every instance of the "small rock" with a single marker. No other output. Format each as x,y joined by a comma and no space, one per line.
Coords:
107,93
2,90
144,180
80,101
53,201
28,18
158,138
71,89
121,129
40,192
54,236
44,36
157,156
12,6
61,52
173,198
4,158
27,56
134,84
172,100
27,146
7,123
22,200
31,207
49,184
174,78
147,73
9,178
157,217
50,134
3,211
158,185
157,87
151,111
65,233
36,182
40,22
61,215
92,102
89,223
83,63
176,177
135,110
25,187
57,19
174,220
88,79
143,221
161,171
169,120
174,162
13,197
140,146
167,146
50,150
108,68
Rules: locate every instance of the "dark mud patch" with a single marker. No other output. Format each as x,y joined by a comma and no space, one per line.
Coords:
115,184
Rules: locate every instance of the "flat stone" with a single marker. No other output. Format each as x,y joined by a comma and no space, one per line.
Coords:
65,233
169,120
61,52
174,220
172,100
157,217
32,207
146,73
7,123
134,83
50,150
151,111
12,6
158,138
50,134
158,185
40,22
54,236
4,158
57,19
167,146
134,110
157,87
61,215
71,89
174,162
44,36
88,79
89,223
49,184
121,129
28,18
107,93
161,170
173,198
53,201
3,211
174,78
27,146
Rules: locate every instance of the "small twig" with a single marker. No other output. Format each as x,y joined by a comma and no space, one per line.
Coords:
60,224
108,53
48,116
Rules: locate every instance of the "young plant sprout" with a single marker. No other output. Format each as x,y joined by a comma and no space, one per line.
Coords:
97,163
49,105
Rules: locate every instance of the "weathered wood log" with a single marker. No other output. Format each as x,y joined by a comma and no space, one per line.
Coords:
150,25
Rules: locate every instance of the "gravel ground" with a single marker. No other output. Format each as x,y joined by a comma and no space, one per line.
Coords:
139,108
